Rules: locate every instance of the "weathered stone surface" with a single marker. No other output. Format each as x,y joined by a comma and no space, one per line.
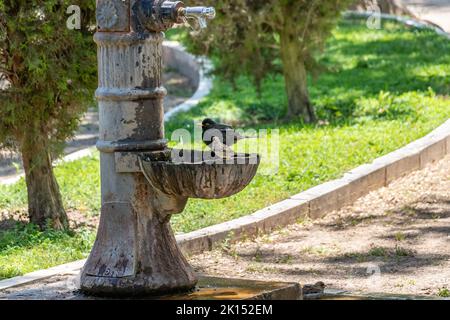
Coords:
114,251
135,252
65,287
364,179
432,153
196,176
281,214
110,17
326,197
402,166
127,162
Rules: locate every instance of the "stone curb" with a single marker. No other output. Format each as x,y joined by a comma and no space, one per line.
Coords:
415,23
42,274
330,196
197,69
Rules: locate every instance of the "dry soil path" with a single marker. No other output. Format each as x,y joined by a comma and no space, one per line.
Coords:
435,11
394,240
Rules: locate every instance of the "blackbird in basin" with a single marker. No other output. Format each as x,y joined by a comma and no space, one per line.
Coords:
213,132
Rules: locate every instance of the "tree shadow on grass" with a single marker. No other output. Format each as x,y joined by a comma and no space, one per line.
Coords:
391,263
12,220
25,248
19,234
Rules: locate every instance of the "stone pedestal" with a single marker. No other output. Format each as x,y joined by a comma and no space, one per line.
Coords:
135,252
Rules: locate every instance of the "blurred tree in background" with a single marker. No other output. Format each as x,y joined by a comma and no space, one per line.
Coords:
48,74
249,36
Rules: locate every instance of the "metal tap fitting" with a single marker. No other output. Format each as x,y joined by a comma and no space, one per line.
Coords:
200,14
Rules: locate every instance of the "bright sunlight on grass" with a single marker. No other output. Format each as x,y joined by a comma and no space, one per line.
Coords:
382,90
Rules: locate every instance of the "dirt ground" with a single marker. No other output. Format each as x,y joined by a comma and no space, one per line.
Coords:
395,240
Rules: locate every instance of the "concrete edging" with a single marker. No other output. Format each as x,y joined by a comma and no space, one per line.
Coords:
415,23
333,195
197,69
41,274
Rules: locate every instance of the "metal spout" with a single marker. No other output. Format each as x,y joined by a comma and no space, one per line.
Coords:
200,14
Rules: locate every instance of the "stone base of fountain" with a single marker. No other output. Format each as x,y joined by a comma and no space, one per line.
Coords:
65,287
135,252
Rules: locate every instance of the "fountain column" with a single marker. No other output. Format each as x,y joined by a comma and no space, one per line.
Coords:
135,251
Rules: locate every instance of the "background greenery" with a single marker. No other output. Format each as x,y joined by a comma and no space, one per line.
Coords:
51,75
383,89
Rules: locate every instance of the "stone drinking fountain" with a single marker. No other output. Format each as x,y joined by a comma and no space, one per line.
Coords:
135,252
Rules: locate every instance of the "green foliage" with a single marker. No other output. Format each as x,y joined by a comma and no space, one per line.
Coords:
364,112
245,35
48,75
79,182
444,292
25,249
252,37
50,70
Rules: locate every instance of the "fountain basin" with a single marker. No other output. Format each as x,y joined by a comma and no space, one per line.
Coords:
197,174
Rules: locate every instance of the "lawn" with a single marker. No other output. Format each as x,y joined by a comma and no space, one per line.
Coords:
383,89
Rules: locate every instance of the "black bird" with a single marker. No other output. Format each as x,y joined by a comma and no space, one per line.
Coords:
225,133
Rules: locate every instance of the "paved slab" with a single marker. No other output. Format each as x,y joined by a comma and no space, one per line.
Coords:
65,287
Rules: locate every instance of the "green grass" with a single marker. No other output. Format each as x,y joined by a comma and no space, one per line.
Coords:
79,182
176,34
25,249
383,89
382,92
444,293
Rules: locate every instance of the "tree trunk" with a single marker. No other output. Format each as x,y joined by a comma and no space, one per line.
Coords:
295,78
45,206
